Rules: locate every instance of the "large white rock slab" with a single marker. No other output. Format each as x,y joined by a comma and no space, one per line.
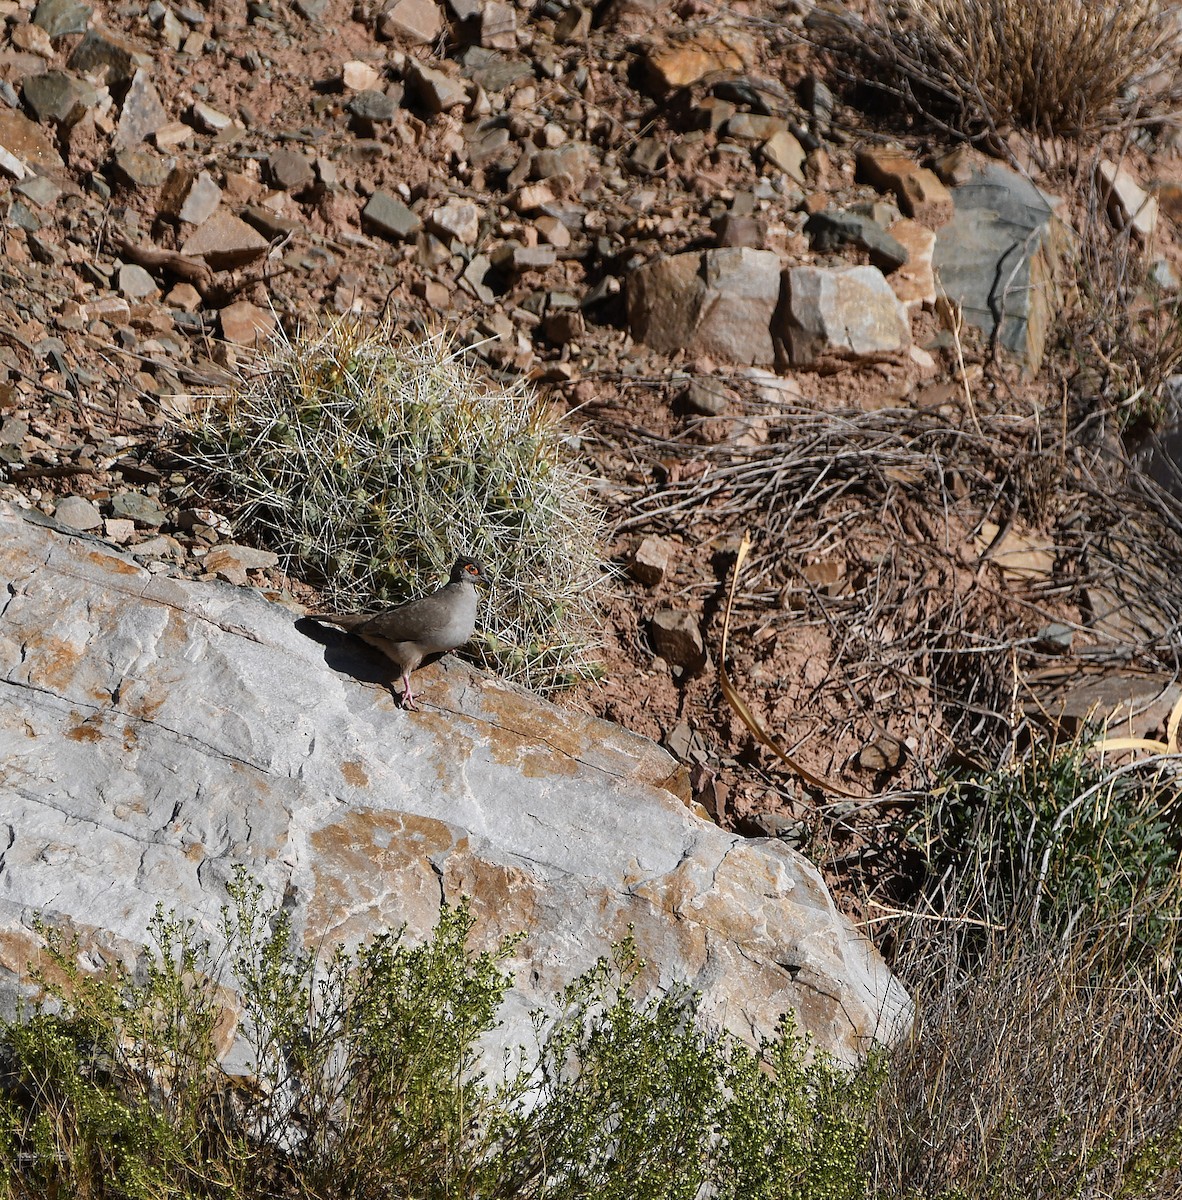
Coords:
156,731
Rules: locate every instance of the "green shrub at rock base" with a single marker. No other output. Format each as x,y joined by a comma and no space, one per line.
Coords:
365,1082
368,460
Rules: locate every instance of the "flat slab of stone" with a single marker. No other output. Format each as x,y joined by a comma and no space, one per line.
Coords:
225,241
999,256
160,731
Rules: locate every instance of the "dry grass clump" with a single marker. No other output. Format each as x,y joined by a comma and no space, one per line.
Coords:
368,460
1043,953
1047,66
1033,1075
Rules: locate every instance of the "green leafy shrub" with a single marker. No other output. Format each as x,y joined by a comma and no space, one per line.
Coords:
1059,842
365,1082
369,460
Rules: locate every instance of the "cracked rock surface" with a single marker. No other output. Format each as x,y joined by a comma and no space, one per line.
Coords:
160,731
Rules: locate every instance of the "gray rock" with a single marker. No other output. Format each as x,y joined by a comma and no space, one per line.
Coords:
834,228
719,303
142,166
41,190
135,283
168,731
62,17
999,258
135,506
58,96
847,312
388,216
290,170
373,106
13,431
77,512
120,56
201,200
142,114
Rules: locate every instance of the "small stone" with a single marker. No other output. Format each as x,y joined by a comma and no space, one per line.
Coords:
245,324
225,241
417,21
232,562
532,258
650,563
678,639
185,297
388,216
113,310
437,90
498,25
458,219
474,276
59,97
78,513
60,18
210,119
707,397
201,201
143,167
33,40
118,530
171,134
290,171
359,76
143,113
532,197
143,510
373,106
786,154
1128,203
120,56
136,284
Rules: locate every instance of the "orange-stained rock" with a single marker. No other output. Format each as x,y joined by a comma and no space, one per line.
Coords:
169,730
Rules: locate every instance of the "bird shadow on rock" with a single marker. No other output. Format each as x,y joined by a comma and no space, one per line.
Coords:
348,655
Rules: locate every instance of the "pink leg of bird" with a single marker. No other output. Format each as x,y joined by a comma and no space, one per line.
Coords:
408,698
